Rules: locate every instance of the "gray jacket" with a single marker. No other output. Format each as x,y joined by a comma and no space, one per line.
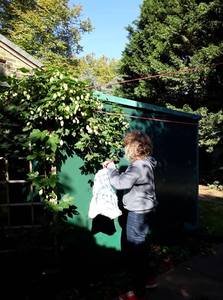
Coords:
138,185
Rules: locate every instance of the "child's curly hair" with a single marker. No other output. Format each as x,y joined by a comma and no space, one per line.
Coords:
138,145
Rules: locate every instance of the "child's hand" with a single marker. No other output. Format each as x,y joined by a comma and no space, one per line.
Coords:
107,162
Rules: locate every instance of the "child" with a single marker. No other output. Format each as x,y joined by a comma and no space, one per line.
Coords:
139,200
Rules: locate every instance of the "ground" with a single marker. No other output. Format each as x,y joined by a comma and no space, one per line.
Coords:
206,193
46,280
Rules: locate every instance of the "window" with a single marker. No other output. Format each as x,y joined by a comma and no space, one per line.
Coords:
18,207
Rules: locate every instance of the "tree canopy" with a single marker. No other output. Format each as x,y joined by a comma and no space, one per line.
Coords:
178,46
99,72
182,40
50,30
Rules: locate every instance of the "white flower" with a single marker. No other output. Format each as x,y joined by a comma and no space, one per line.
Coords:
89,129
40,192
65,86
61,123
61,142
53,200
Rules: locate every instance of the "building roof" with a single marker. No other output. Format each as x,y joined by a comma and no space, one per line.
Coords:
20,51
147,106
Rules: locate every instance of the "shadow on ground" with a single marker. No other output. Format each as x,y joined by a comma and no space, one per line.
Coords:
32,268
35,265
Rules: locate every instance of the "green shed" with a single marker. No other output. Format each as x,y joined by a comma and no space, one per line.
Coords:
175,138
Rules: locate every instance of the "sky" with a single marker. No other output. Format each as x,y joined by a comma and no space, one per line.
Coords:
109,19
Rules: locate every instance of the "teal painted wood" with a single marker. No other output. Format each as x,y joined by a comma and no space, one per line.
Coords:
78,186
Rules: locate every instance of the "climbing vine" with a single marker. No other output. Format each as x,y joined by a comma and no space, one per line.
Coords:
50,116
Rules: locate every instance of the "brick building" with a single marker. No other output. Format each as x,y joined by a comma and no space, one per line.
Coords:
13,58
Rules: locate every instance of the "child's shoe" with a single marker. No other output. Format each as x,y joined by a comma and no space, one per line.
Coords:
129,296
151,283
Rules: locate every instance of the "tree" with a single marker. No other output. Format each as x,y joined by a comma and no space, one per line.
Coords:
179,44
48,29
180,39
210,142
211,126
99,72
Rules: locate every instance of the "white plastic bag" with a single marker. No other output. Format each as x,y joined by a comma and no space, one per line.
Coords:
104,200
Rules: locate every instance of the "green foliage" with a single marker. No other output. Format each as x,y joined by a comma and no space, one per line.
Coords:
210,126
99,72
216,186
176,36
51,115
61,210
181,41
47,29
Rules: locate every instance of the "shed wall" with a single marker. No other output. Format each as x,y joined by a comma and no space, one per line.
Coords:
175,149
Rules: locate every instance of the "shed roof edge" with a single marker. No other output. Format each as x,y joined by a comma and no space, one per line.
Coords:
137,104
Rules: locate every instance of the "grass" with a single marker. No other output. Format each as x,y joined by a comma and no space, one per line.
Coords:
211,217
